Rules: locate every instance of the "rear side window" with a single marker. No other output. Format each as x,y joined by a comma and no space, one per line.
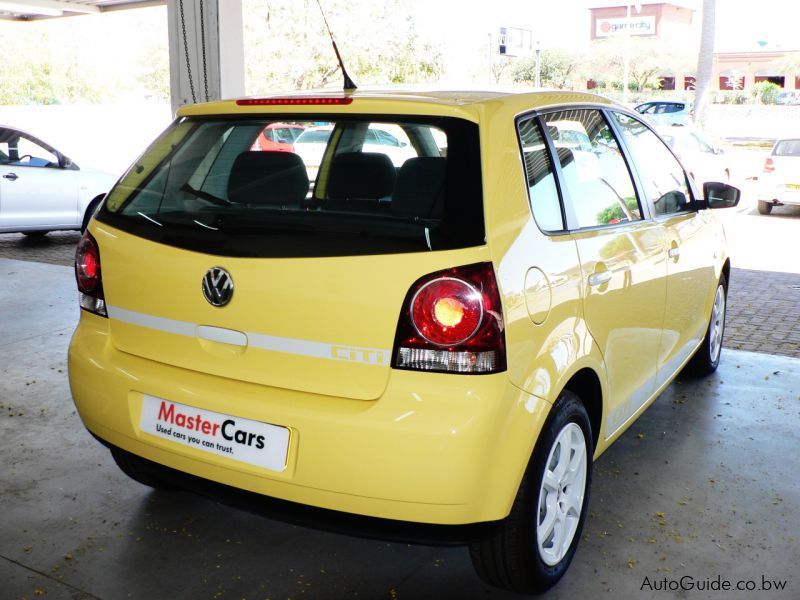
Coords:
344,185
787,148
542,192
663,179
599,187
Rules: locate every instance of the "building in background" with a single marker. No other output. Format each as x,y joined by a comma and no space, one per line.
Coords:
751,61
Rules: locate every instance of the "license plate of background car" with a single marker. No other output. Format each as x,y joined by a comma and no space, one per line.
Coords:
251,442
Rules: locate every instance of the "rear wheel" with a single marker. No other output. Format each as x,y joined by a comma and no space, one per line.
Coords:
534,546
764,207
706,360
135,468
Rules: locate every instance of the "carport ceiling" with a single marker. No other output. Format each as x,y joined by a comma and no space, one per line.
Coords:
28,10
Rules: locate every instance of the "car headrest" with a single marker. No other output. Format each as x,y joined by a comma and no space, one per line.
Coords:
565,156
420,184
268,178
361,175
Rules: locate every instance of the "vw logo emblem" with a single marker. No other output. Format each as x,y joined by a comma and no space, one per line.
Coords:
218,286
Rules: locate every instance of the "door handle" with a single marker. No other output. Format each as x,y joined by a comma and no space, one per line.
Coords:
600,278
674,252
10,176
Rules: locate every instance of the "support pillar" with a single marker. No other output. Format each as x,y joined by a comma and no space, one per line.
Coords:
218,31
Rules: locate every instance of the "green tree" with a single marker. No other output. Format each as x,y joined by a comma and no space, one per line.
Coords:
287,45
558,68
153,75
765,92
648,58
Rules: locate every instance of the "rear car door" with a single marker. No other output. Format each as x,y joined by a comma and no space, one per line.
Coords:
34,190
621,255
692,243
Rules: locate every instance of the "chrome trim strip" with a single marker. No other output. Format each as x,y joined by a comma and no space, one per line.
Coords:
272,343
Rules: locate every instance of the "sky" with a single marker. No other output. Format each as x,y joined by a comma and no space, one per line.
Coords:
741,24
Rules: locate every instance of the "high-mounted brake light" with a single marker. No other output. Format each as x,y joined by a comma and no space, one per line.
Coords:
89,276
452,322
769,165
293,101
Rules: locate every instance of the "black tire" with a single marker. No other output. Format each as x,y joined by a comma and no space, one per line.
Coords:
764,207
135,468
35,234
704,362
90,210
511,558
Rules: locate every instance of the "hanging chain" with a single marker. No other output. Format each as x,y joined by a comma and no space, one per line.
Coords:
203,44
186,52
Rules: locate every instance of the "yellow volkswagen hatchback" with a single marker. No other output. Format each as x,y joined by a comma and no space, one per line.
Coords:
471,298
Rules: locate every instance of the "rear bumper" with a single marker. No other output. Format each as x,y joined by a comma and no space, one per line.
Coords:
434,448
779,193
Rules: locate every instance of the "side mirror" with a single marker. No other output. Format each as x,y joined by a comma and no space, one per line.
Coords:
65,161
720,195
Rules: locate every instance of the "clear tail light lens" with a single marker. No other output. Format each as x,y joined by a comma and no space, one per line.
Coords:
452,322
769,166
89,276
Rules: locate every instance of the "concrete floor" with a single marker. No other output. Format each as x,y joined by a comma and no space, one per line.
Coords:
704,484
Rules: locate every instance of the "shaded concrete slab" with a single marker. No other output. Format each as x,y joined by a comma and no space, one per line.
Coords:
705,484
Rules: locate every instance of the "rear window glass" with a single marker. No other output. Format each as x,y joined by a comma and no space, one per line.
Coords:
787,148
328,187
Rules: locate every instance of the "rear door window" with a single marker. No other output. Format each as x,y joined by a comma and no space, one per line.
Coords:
596,178
347,186
787,148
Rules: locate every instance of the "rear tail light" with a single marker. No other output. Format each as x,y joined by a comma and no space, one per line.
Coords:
89,276
769,166
452,322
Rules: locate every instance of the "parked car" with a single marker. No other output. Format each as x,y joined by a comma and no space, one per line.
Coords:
452,342
41,189
666,112
779,183
279,137
310,146
705,160
380,138
787,97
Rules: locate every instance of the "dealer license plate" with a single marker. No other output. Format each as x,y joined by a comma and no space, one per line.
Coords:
250,442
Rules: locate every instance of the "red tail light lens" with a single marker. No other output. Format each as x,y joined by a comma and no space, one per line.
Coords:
452,322
447,311
89,276
769,165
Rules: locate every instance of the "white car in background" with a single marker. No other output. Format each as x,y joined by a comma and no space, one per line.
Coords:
703,159
310,146
42,190
665,112
780,182
380,138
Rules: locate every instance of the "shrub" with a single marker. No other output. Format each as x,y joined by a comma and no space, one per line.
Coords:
766,91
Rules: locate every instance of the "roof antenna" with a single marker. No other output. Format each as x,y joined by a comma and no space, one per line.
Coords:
348,83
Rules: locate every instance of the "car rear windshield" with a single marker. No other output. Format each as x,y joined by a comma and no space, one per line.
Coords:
787,148
342,186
